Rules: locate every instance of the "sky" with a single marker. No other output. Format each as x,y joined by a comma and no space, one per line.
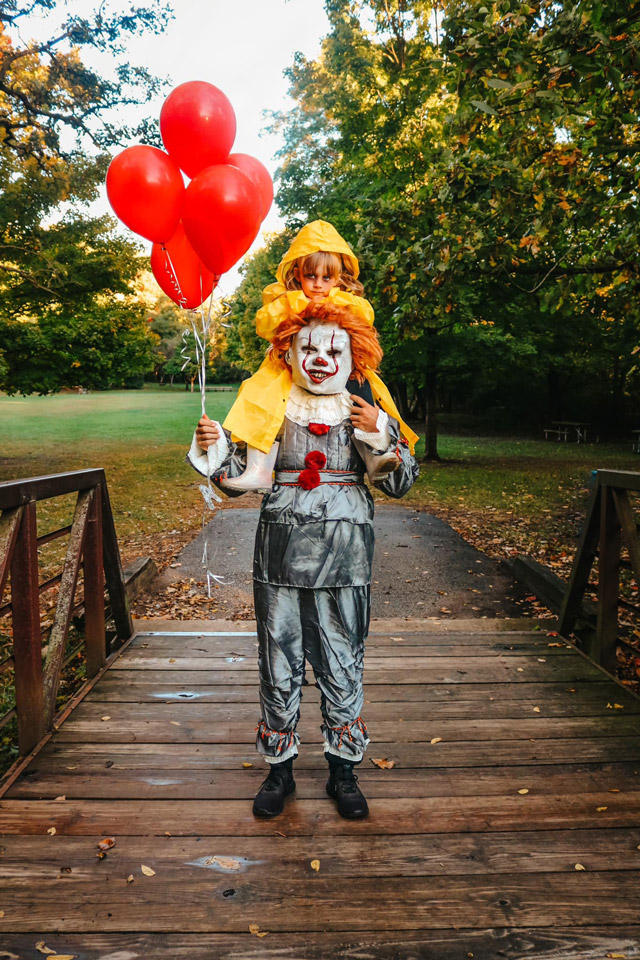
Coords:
241,46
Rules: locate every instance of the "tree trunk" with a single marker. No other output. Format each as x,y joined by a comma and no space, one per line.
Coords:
431,399
399,388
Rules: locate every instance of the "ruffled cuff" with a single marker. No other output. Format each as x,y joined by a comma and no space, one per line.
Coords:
381,439
208,461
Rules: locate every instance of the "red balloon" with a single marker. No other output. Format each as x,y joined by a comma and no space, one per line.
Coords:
257,172
180,272
221,215
146,190
198,126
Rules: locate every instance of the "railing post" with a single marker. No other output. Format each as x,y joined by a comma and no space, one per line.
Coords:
27,635
95,638
608,582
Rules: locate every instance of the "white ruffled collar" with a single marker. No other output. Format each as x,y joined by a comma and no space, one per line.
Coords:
305,408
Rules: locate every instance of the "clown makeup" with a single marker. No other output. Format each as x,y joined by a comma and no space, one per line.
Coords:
320,358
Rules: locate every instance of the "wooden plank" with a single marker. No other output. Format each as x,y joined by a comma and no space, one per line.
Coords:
307,817
582,564
95,636
120,606
559,943
9,526
139,690
403,903
126,724
225,756
53,779
149,660
465,854
64,605
27,637
431,670
604,650
490,708
629,530
407,645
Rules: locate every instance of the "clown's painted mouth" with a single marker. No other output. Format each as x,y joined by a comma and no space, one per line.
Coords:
319,376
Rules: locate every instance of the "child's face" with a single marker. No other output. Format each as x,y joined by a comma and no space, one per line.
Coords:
320,358
315,282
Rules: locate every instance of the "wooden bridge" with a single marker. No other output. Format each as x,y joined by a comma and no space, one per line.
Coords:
508,826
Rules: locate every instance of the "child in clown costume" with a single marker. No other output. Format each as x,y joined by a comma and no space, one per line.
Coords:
299,432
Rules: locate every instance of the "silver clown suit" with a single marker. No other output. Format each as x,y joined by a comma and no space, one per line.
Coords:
312,570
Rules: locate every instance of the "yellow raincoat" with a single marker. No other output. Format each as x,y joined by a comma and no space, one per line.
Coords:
259,409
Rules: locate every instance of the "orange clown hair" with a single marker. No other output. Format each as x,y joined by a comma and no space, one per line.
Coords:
365,347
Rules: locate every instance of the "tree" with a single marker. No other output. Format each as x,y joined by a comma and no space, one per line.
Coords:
482,158
57,117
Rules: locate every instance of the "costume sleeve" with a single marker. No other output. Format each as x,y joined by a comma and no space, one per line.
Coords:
230,461
396,484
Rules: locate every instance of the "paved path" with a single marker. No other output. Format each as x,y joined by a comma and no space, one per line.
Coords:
422,567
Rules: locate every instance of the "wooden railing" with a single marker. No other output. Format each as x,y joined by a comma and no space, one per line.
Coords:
93,546
610,524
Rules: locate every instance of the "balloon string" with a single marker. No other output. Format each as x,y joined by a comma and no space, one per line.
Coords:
200,338
173,280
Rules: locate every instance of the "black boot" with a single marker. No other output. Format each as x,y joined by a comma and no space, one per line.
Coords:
269,800
342,785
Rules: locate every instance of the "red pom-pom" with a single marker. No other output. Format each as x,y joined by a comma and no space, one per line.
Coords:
309,479
316,459
319,429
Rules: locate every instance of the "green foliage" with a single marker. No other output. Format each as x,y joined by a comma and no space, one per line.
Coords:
61,269
484,159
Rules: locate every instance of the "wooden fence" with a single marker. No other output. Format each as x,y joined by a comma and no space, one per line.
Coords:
93,546
610,525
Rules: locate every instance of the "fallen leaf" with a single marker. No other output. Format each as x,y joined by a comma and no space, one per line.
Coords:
398,639
167,834
554,644
616,956
51,831
130,878
618,706
227,863
578,866
553,633
436,740
536,709
59,799
315,864
1,914
255,929
106,844
41,947
172,660
524,790
63,956
520,669
541,660
600,809
247,765
148,872
175,723
105,718
383,763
